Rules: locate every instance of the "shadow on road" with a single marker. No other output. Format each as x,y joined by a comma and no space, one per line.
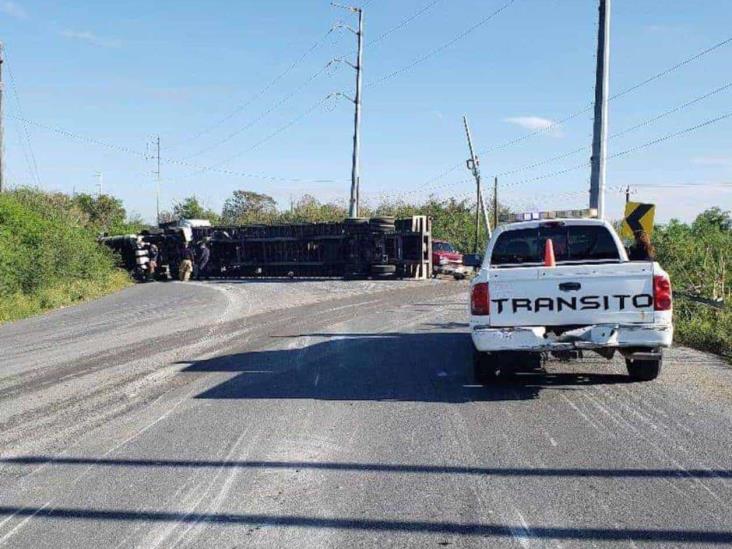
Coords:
420,367
475,529
387,468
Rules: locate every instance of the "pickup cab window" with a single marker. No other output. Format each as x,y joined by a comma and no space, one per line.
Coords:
443,247
572,244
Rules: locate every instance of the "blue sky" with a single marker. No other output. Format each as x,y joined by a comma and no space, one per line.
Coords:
121,73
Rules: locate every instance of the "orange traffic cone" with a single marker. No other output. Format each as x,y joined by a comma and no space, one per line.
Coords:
549,260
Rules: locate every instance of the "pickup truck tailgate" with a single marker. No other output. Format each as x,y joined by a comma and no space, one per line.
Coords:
616,293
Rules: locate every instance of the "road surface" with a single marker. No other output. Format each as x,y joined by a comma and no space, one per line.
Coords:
336,414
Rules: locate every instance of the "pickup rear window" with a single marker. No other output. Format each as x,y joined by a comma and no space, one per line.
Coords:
572,244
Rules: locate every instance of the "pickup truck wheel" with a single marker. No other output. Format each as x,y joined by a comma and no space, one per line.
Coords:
485,370
643,370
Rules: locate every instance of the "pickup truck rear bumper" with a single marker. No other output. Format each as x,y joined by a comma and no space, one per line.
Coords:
535,338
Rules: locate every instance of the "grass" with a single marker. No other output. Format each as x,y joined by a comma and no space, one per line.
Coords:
60,294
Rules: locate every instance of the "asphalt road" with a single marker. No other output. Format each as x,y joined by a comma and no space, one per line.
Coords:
334,414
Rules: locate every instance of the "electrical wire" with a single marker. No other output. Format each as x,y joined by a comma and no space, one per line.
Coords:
627,151
443,47
171,161
30,156
403,23
586,164
275,133
262,115
574,115
259,94
643,124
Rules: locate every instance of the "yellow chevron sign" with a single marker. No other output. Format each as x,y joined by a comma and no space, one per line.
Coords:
638,217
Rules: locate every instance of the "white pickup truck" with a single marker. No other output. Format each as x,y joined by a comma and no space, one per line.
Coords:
592,298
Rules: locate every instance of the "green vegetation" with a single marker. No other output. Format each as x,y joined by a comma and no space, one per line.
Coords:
49,256
452,219
699,259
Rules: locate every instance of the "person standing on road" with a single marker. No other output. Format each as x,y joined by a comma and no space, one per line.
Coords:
204,254
153,254
186,264
642,249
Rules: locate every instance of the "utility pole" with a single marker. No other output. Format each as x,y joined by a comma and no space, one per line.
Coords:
157,178
100,183
474,166
156,157
627,194
599,134
2,144
495,202
353,205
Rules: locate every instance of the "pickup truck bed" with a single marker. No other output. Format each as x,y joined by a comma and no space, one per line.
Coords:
592,298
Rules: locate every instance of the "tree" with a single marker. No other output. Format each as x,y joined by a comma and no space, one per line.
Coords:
714,219
309,210
103,211
249,207
191,208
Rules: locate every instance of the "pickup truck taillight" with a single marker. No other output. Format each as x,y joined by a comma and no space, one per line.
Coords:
661,293
480,302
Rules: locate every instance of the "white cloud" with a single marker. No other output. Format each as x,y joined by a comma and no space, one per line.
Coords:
535,123
90,38
712,160
13,10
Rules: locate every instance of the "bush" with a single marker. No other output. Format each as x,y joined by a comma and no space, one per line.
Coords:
699,259
48,256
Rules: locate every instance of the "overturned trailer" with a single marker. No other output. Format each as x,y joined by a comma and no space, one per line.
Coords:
355,248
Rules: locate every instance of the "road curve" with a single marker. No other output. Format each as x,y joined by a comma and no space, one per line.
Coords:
334,414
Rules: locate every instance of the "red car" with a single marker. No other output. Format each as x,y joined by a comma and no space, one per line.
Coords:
446,259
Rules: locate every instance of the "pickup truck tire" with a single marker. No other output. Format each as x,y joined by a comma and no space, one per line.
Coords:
643,370
485,368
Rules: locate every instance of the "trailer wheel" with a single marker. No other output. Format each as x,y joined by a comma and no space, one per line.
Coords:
381,225
643,370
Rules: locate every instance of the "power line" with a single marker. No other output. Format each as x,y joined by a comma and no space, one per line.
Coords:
672,68
672,135
165,160
621,93
30,156
586,163
404,22
684,185
588,108
260,93
263,114
443,47
628,151
261,142
643,124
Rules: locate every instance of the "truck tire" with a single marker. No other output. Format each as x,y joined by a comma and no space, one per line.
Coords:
485,368
382,225
643,370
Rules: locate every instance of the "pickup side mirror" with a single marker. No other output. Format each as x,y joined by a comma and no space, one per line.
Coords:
472,260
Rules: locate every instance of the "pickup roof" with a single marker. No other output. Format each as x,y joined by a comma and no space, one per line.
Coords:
591,298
